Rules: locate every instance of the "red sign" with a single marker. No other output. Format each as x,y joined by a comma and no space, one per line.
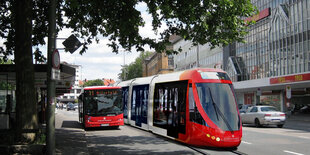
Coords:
290,78
261,15
56,59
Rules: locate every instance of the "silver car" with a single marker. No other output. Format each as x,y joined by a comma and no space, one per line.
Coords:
263,115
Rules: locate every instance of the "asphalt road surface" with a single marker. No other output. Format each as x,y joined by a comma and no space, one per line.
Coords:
131,140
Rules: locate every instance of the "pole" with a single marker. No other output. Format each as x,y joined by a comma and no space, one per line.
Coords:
50,114
198,65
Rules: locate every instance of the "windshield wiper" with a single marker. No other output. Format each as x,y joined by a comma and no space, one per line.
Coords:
218,111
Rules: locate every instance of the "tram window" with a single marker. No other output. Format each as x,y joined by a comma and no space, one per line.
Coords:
194,114
139,103
133,105
160,119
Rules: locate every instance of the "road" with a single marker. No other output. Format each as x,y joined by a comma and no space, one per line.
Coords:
130,140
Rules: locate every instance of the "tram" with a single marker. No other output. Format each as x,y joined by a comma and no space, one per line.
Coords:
101,106
196,107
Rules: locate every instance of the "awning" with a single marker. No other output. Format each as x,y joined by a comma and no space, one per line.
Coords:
67,76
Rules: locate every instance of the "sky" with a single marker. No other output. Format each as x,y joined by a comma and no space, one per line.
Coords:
99,62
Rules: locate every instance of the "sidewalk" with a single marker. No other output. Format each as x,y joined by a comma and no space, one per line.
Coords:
298,122
69,137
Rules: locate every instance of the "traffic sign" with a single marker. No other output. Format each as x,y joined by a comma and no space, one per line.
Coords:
55,74
56,59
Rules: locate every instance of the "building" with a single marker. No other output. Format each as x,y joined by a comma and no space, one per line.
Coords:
196,56
75,91
108,82
273,66
157,63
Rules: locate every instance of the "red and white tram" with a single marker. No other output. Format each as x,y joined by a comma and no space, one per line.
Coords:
196,107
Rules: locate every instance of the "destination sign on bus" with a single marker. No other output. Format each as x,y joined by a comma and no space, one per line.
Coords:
98,92
214,76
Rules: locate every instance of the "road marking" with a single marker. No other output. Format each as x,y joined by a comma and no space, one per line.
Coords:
246,142
293,152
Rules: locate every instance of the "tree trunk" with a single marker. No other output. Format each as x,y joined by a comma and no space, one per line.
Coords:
26,111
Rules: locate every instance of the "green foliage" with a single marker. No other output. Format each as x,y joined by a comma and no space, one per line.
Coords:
135,69
96,82
6,61
217,22
38,56
6,86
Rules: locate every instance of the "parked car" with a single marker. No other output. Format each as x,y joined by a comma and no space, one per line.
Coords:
76,106
263,115
244,108
70,106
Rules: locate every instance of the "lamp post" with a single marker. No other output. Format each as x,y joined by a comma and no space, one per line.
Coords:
50,115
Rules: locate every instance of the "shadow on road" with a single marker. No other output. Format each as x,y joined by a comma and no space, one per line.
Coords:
71,124
70,141
127,145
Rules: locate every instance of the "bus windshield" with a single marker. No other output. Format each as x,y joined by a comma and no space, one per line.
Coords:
217,100
106,102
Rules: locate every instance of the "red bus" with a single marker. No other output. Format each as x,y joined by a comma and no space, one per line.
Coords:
101,106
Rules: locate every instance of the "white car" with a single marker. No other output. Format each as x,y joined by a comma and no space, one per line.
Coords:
263,115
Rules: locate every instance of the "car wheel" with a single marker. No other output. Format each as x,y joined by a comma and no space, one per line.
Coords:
280,125
257,123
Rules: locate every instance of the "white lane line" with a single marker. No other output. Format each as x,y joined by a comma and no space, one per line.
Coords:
293,152
246,142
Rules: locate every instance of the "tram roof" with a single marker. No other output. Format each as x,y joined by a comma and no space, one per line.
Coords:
101,87
175,76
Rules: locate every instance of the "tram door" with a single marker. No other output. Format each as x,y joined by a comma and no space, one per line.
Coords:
177,108
170,107
139,104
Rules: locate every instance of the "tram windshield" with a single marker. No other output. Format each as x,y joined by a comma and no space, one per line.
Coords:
217,100
103,102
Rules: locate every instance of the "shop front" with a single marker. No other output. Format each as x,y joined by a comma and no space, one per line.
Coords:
289,93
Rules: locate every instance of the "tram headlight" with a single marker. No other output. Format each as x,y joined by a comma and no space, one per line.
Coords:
218,139
208,135
213,137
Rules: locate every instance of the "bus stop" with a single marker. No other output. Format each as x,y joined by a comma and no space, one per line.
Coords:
8,86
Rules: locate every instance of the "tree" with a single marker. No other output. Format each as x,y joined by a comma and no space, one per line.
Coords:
96,82
23,25
135,69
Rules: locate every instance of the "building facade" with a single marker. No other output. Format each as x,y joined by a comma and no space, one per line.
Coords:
157,63
196,56
273,66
